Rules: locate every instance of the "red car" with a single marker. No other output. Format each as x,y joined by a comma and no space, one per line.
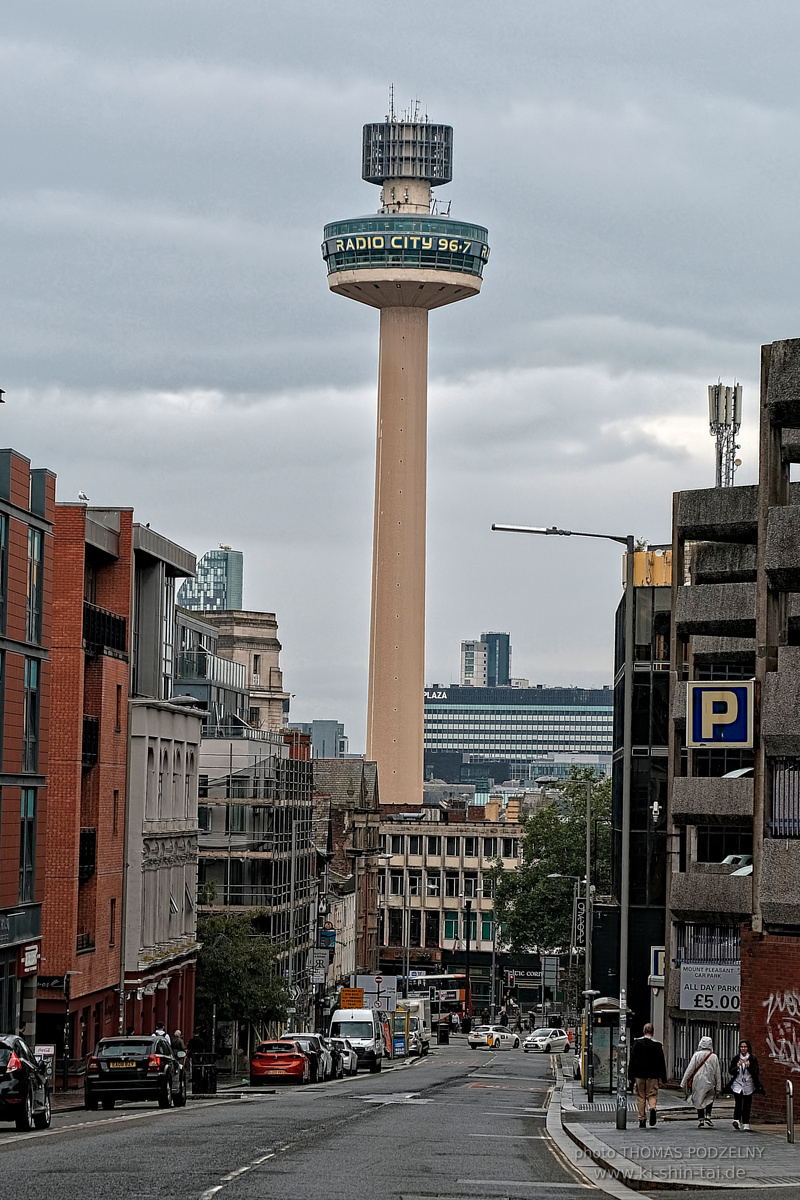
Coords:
273,1061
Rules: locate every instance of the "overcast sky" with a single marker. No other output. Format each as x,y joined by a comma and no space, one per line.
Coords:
169,341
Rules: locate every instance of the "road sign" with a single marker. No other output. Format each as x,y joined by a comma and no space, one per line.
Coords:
550,970
720,714
319,961
351,998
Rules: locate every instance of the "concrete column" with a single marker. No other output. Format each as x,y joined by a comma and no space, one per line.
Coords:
395,707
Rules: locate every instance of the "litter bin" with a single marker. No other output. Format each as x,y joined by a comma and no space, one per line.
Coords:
466,1024
443,1033
204,1075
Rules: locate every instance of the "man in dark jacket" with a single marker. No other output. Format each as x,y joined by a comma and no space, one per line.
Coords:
646,1069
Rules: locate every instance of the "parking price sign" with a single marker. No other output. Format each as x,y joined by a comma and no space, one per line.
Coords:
712,987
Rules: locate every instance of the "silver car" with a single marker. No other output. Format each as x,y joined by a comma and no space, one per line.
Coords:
349,1056
549,1041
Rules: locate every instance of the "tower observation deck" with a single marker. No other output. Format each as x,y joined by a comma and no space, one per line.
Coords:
404,260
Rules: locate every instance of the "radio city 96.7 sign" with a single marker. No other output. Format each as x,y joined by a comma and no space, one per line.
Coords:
720,714
404,241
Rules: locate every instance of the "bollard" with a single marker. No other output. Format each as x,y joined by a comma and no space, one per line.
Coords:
789,1111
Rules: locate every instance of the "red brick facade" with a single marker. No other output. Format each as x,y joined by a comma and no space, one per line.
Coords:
82,915
770,1014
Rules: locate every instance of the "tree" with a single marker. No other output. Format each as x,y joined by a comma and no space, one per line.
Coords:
535,911
236,970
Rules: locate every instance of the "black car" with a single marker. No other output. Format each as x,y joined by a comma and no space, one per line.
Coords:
139,1067
24,1085
318,1056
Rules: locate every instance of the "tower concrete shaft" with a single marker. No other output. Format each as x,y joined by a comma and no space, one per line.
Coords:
403,261
395,705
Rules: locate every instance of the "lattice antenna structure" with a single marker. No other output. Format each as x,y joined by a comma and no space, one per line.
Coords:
724,423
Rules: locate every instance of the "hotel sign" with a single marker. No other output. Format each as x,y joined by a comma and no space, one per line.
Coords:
720,715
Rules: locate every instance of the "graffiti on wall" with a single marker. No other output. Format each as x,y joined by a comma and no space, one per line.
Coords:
783,1028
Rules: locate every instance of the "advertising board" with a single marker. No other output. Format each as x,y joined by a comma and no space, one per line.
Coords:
710,987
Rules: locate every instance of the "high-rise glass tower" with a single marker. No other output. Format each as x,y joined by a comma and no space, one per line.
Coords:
405,260
217,586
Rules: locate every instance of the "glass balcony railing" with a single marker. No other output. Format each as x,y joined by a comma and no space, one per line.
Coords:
103,631
195,666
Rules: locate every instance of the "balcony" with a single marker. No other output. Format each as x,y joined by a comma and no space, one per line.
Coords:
103,632
87,854
90,746
708,892
198,666
84,942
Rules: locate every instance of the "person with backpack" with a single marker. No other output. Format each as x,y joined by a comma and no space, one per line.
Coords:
745,1083
702,1080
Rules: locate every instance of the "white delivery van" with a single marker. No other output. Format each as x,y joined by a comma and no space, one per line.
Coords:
363,1029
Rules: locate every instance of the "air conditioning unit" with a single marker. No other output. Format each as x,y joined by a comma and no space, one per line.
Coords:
256,679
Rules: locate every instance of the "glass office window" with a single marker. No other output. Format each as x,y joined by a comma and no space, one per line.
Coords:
27,845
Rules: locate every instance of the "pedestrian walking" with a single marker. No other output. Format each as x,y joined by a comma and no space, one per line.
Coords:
178,1042
745,1083
702,1080
646,1069
161,1032
196,1044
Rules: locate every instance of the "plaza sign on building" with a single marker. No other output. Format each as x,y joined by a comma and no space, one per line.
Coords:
720,714
710,987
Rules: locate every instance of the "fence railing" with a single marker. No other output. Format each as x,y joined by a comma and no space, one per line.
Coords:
784,819
103,630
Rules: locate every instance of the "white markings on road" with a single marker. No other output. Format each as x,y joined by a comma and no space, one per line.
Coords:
395,1098
522,1183
517,1137
211,1192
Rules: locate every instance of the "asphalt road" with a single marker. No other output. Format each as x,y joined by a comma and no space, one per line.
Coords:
458,1124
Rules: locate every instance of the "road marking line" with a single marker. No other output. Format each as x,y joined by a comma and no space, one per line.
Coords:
523,1183
258,1161
233,1174
212,1191
521,1137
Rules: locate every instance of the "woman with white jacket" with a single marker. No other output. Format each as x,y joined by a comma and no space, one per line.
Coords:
703,1079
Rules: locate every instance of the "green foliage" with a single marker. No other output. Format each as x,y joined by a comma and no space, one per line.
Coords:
236,970
536,912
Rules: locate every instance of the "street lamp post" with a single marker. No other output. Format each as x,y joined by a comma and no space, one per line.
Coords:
628,542
467,996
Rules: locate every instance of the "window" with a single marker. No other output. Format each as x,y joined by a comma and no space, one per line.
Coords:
202,787
382,842
118,722
27,844
470,884
415,844
112,922
716,842
395,927
509,847
256,664
414,928
395,883
397,843
254,717
237,818
432,926
33,606
470,847
381,883
115,813
204,817
451,883
473,926
488,884
415,883
487,926
30,718
168,636
433,883
490,847
3,577
450,925
434,846
451,847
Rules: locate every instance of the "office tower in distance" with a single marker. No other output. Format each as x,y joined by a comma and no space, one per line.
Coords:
405,260
217,587
487,663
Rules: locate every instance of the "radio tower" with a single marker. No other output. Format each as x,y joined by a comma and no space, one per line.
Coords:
403,261
724,422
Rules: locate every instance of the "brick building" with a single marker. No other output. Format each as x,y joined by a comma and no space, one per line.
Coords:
27,502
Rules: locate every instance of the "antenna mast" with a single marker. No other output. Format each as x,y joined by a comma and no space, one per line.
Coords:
724,422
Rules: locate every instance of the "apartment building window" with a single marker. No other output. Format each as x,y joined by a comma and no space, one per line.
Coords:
204,817
202,787
415,843
451,883
432,930
473,927
490,847
451,847
470,847
434,846
395,927
470,884
27,845
414,928
509,847
415,883
118,721
716,842
433,883
487,926
488,884
450,925
3,571
237,818
30,715
397,843
33,607
115,813
381,883
395,883
112,922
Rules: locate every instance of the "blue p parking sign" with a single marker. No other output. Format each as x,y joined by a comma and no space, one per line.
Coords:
720,714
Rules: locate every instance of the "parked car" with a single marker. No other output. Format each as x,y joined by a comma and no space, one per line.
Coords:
337,1062
492,1037
319,1055
24,1085
549,1041
279,1060
349,1055
138,1067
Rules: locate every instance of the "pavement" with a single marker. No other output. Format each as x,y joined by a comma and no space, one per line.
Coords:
674,1153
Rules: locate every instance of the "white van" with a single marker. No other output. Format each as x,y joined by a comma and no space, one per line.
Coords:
363,1029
